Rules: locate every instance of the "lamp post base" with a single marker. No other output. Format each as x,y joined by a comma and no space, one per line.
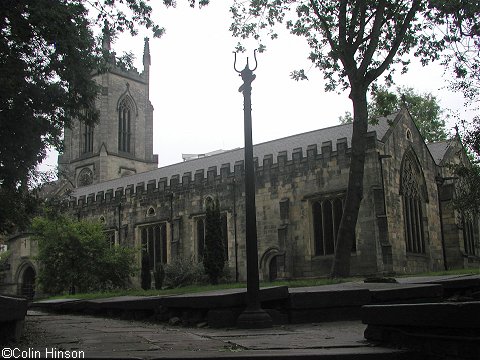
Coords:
254,319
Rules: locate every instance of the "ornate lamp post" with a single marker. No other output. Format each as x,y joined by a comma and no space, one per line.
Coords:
253,316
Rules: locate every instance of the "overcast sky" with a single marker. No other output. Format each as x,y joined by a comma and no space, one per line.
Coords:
194,88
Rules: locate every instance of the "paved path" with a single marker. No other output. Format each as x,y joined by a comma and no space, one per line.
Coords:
94,337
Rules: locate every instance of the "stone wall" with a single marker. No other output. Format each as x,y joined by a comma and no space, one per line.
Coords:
23,249
405,136
286,188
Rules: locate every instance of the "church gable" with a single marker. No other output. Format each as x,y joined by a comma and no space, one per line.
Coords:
411,195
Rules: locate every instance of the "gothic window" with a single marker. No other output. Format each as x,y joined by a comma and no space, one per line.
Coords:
408,135
151,211
327,214
413,202
154,244
125,113
110,235
284,205
87,138
468,235
85,177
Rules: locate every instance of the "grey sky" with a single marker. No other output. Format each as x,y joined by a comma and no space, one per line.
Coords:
194,88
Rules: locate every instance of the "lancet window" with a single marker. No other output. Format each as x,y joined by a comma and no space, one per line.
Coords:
327,214
110,235
469,234
125,113
154,244
413,203
87,138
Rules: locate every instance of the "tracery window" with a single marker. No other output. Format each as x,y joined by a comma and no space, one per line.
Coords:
85,177
327,214
87,138
125,112
413,202
468,234
110,235
154,244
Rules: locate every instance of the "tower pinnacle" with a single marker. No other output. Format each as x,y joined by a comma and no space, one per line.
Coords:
106,38
146,54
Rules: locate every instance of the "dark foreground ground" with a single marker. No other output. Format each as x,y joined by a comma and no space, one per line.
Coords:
57,335
413,318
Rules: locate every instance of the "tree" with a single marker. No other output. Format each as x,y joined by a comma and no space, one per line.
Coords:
213,259
424,108
353,43
47,55
461,23
76,256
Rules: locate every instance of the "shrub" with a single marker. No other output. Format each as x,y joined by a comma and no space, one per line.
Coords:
214,258
183,272
76,256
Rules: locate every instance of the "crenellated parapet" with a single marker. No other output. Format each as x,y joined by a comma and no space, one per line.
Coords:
215,172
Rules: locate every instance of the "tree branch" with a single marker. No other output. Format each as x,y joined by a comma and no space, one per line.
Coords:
375,37
359,38
375,73
342,26
325,27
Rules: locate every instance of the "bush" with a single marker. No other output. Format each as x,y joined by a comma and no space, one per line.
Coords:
76,256
183,272
214,257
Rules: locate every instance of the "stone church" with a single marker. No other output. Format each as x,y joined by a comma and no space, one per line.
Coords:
406,222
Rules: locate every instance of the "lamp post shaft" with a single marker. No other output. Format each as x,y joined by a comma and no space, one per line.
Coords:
253,284
253,316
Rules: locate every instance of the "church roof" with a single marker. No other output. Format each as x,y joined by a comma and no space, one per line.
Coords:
273,147
438,150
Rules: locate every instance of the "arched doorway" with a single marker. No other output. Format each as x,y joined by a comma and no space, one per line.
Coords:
272,264
28,283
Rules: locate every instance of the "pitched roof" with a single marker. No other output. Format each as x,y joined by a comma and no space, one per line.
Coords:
273,147
438,150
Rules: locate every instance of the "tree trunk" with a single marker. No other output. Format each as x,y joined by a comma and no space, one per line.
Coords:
346,231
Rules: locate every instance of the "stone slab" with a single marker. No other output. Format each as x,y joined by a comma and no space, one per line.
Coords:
223,298
12,316
126,303
429,342
340,295
400,293
55,304
449,282
141,340
458,315
12,308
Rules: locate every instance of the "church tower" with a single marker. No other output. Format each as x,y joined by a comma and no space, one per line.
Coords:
121,143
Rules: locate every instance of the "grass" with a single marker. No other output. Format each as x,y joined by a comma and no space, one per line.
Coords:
471,271
201,288
197,288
